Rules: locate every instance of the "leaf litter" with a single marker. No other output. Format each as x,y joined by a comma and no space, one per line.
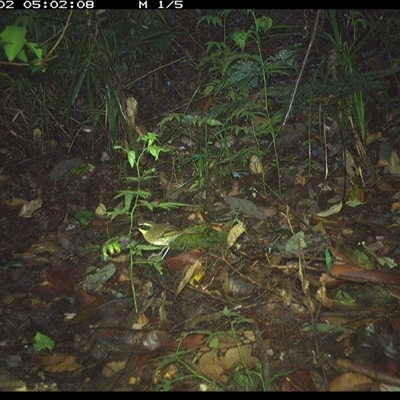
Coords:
243,315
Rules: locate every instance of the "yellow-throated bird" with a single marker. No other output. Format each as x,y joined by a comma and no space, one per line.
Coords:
162,234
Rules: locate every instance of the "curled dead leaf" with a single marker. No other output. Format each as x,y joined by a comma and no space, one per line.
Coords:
255,165
234,233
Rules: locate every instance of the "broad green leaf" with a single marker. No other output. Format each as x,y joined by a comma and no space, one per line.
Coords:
131,157
13,40
357,257
22,56
155,151
37,51
41,342
214,343
240,39
214,122
344,298
263,24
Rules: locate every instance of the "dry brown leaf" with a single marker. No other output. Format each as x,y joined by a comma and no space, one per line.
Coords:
131,113
255,165
112,368
350,381
383,185
299,380
394,165
322,297
218,362
351,167
195,272
234,233
100,210
184,260
373,137
286,292
396,205
59,362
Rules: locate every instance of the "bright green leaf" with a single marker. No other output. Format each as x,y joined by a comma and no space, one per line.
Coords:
328,260
37,51
214,343
131,158
41,342
13,40
240,39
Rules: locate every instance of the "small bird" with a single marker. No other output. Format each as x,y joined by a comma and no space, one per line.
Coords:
162,234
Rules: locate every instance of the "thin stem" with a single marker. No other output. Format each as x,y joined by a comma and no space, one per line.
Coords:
302,69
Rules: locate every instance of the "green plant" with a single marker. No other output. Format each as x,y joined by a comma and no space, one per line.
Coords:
343,61
139,197
14,43
235,70
243,376
189,372
90,59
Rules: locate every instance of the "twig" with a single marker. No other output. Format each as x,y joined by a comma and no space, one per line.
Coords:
60,38
302,69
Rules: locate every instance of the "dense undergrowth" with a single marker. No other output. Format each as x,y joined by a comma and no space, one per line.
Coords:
185,103
68,77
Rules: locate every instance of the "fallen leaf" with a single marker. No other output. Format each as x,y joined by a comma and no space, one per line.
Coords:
351,166
394,165
234,233
193,275
323,298
100,210
350,381
219,361
255,165
295,244
59,362
30,207
184,260
373,137
298,381
244,206
98,278
112,368
331,211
